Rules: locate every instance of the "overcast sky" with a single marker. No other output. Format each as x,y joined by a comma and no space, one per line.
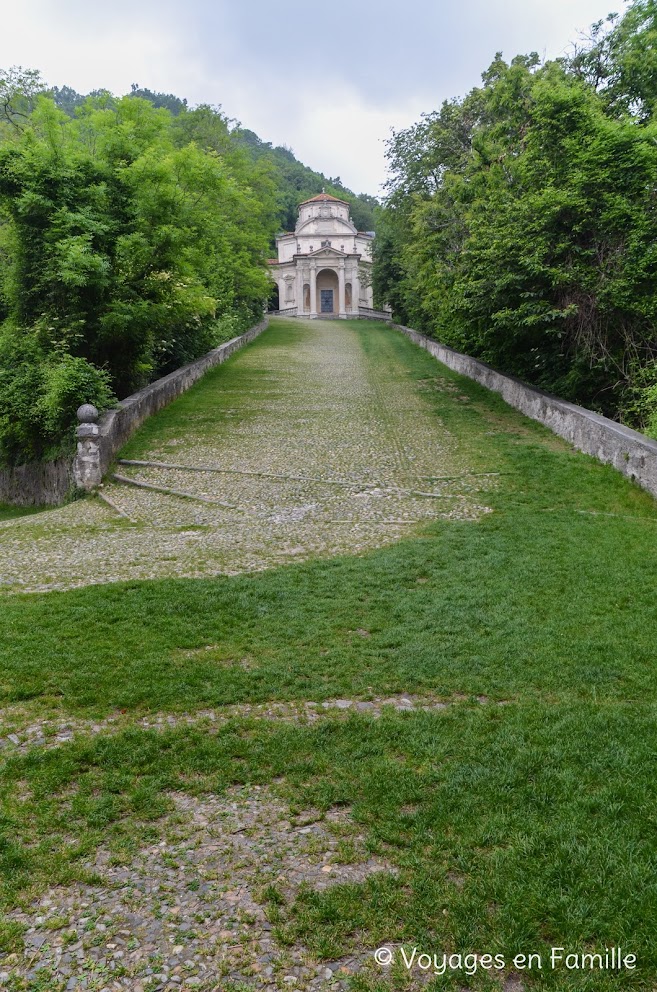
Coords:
328,80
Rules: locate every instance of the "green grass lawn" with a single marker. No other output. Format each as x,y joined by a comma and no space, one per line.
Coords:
514,827
9,512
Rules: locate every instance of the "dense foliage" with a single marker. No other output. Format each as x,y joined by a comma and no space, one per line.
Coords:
521,221
294,181
134,234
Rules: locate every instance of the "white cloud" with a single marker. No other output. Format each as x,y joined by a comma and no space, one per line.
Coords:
329,85
345,136
84,51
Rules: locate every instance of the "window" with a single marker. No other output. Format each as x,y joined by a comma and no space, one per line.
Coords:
326,244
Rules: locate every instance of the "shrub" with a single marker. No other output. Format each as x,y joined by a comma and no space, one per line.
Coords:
39,397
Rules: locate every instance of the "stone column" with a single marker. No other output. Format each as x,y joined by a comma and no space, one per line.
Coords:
304,280
313,290
342,311
299,300
355,291
87,470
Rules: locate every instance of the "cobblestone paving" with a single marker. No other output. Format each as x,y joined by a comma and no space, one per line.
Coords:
191,911
21,730
315,449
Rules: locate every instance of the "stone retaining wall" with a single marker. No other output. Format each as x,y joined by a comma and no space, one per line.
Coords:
37,483
632,453
117,425
51,483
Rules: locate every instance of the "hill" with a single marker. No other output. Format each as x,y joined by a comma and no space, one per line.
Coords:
294,181
134,236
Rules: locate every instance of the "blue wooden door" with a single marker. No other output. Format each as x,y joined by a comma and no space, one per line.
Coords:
326,300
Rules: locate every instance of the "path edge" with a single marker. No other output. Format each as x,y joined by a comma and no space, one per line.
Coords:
53,483
117,426
628,451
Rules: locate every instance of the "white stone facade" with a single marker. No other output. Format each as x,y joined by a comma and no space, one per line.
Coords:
323,268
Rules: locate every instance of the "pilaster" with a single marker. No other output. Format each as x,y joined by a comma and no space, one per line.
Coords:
313,290
342,309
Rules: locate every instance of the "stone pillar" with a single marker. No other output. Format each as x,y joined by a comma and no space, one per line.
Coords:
355,291
87,470
303,279
342,311
299,290
313,290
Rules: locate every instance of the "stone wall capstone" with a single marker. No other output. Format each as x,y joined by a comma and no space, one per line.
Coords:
630,452
116,426
51,483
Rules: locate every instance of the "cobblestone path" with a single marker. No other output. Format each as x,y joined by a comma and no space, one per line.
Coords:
304,444
320,439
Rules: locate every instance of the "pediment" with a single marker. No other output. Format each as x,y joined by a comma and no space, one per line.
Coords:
323,252
335,227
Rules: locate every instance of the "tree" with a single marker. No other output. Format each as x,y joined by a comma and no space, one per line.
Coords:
520,224
134,233
128,252
167,101
19,89
619,60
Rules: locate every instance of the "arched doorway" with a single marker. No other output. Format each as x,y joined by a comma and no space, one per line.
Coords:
327,292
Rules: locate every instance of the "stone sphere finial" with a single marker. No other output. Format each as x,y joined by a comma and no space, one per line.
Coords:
87,413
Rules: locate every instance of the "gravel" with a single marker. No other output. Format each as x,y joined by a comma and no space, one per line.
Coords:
32,732
189,911
322,451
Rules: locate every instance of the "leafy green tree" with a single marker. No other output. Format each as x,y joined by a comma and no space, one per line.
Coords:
619,61
67,99
166,101
520,224
128,251
134,234
19,89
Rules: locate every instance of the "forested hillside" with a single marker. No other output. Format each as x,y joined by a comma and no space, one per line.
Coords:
134,234
520,224
294,181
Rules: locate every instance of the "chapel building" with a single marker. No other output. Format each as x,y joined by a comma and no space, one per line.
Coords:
323,268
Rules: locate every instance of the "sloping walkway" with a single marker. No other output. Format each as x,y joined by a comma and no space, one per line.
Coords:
304,444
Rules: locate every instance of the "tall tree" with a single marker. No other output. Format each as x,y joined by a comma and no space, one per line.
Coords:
127,253
520,222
